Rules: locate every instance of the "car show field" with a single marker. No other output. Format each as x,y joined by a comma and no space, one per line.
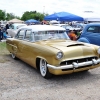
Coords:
50,50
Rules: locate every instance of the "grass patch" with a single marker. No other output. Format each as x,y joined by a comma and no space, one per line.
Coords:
3,49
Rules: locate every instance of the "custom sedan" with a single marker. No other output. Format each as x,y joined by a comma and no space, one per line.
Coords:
48,49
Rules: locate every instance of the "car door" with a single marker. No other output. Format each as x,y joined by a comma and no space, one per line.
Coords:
93,34
26,47
18,42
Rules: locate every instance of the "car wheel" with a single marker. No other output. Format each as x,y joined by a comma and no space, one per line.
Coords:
13,56
44,70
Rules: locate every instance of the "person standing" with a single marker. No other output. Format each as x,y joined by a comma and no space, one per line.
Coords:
0,24
7,26
72,35
1,34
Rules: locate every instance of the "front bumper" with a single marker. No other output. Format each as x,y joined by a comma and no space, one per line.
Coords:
75,64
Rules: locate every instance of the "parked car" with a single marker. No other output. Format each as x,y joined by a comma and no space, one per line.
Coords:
2,25
91,34
14,28
49,49
80,26
67,27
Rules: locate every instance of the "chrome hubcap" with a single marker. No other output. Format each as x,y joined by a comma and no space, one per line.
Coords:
13,56
43,67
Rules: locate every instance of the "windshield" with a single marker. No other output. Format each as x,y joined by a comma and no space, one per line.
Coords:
45,35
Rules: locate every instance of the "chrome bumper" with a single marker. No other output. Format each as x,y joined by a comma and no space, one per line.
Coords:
75,64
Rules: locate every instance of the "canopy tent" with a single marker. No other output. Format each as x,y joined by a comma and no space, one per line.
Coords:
15,21
91,19
31,21
90,16
63,16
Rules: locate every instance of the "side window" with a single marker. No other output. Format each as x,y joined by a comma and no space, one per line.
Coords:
28,35
12,26
93,29
20,34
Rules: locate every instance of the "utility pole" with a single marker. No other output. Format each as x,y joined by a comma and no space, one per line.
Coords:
43,9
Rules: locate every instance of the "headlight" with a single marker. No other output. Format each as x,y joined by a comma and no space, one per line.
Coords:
99,50
59,55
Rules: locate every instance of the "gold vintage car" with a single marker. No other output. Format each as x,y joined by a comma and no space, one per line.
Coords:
49,49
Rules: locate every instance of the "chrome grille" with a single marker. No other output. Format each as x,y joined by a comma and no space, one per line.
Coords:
68,62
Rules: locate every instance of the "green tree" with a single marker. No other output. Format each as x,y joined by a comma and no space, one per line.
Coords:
7,16
32,15
10,16
2,15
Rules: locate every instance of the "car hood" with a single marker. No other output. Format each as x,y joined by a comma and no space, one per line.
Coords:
72,48
61,44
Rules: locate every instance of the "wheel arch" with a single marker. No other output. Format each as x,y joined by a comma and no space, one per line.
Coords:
38,61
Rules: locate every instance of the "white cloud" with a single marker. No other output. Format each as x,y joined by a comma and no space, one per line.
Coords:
18,7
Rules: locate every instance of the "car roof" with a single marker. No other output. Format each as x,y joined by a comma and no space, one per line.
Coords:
37,28
93,24
17,24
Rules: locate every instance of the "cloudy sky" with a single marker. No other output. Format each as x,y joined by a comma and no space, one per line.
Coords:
18,7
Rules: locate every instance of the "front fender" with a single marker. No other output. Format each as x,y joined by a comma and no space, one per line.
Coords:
83,40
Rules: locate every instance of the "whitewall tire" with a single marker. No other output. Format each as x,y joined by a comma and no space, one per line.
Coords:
13,56
44,69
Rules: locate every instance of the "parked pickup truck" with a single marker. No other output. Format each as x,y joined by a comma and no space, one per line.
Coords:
91,34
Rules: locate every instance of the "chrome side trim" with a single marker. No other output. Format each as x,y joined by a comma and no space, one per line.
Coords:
75,64
12,45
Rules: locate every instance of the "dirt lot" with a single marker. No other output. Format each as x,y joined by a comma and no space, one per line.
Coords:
19,81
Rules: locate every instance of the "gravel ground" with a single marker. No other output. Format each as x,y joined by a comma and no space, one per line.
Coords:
19,81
